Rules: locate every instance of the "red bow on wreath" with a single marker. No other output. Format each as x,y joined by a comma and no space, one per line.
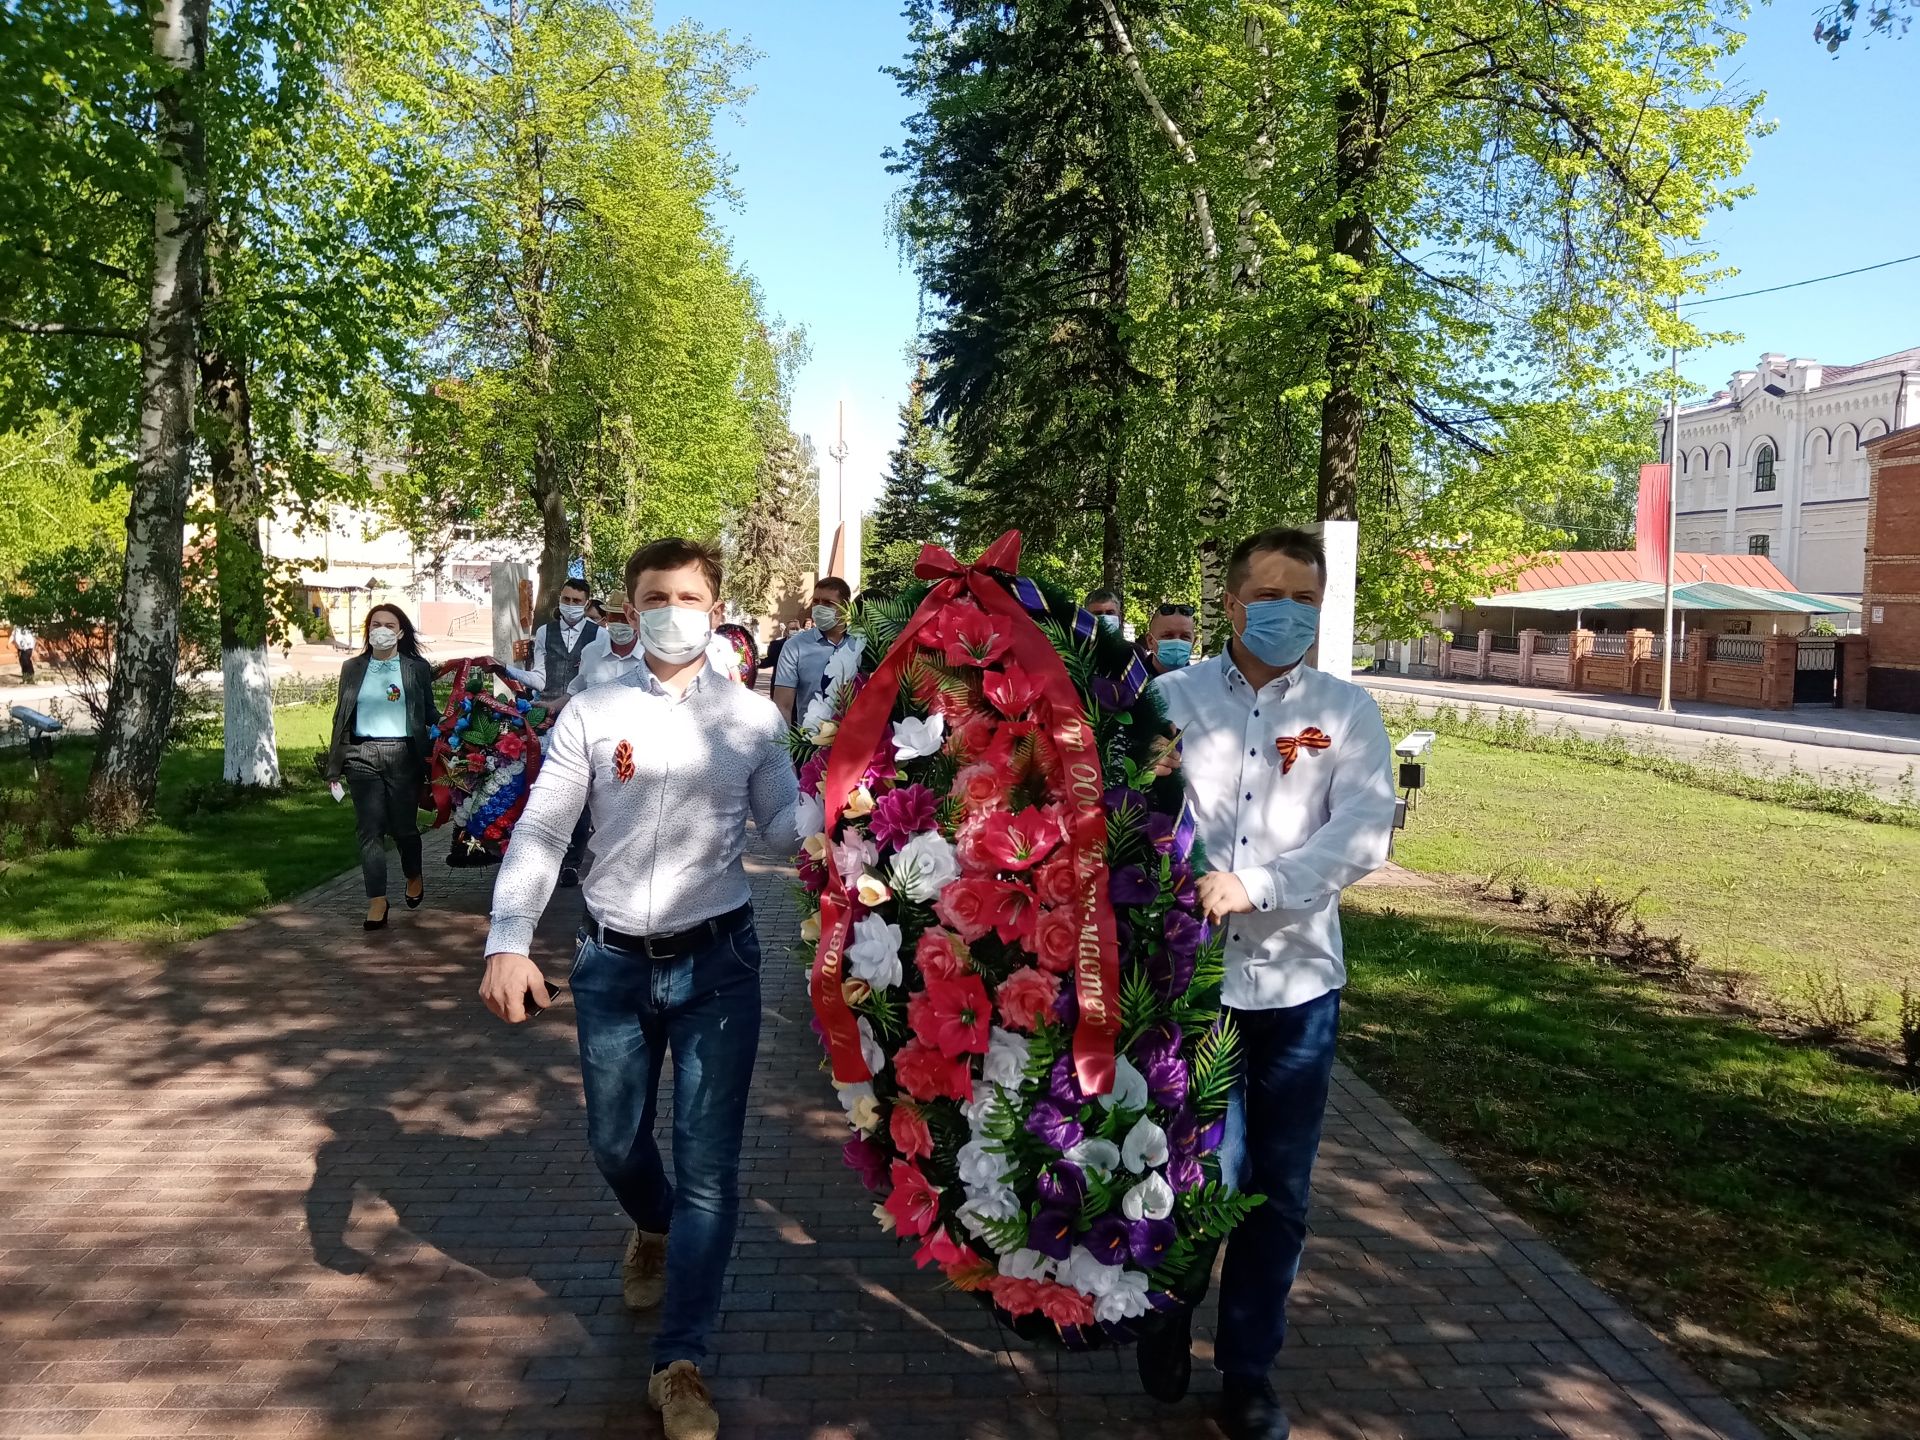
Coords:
1290,746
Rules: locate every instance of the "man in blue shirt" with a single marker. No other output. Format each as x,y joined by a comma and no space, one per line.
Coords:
804,658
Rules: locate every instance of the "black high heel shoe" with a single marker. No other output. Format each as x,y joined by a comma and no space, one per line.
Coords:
381,923
414,901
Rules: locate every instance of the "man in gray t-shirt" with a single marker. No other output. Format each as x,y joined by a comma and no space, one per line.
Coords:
804,658
675,758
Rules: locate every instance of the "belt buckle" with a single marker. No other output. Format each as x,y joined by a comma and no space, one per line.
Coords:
652,954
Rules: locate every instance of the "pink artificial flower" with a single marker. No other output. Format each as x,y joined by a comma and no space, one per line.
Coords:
970,636
1054,881
1065,1306
1013,913
941,955
926,1074
940,1249
1015,1296
982,788
1011,690
969,734
953,1016
1056,940
908,1127
915,1201
1025,999
967,905
901,814
813,773
1018,842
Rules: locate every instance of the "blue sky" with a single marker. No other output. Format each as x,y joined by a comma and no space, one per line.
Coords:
1834,191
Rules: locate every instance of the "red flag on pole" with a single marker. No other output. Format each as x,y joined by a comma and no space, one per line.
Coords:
1650,532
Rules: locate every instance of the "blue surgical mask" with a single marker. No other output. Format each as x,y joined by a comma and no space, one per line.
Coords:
1173,653
1279,632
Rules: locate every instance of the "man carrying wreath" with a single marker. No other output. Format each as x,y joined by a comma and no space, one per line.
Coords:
1288,771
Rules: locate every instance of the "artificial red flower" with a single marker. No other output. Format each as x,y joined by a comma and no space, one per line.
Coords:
1066,1306
970,1271
914,1202
1054,882
940,1249
1013,912
982,788
1011,690
1016,1296
908,1128
926,1074
967,906
512,746
1019,842
1025,998
1056,939
941,954
969,734
953,1016
970,637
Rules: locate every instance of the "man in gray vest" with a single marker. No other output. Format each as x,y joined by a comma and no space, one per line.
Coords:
557,649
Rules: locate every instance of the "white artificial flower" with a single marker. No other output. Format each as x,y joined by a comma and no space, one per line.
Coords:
1096,1154
1151,1199
809,817
853,855
995,1203
872,891
976,1109
1127,1298
1026,1265
845,663
1129,1090
852,1095
1006,1060
914,739
981,1167
1145,1145
819,712
871,1052
859,802
874,955
810,929
924,866
865,1115
1085,1273
815,846
885,1217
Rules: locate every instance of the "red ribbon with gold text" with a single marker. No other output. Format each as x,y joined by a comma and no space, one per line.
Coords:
1097,959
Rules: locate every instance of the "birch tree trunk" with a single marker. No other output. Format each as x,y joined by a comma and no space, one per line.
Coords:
252,756
126,769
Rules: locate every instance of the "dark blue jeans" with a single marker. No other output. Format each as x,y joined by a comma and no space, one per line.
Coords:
1272,1136
704,1009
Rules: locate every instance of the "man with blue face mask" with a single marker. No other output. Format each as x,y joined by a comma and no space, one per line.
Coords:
1289,774
1169,641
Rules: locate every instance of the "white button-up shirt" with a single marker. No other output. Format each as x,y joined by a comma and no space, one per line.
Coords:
599,665
669,832
1294,839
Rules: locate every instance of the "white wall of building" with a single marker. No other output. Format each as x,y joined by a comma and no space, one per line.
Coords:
1812,419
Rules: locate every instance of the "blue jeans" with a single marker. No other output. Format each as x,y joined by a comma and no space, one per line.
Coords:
1272,1135
704,1007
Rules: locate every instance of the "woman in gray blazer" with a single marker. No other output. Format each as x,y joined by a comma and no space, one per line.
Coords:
382,737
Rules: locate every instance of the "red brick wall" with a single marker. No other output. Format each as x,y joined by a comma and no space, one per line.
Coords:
1893,555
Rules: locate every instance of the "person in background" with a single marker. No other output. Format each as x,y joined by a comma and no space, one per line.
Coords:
673,759
554,659
597,612
23,643
382,736
803,660
610,655
1169,642
1289,774
1106,605
771,664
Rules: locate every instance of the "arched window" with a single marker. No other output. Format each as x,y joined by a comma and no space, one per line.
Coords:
1763,469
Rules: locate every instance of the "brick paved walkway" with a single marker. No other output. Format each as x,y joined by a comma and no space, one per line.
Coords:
294,1181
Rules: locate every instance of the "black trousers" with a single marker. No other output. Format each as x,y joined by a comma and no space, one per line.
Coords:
26,663
384,779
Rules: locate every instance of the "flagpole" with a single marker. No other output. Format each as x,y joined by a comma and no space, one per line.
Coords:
1673,510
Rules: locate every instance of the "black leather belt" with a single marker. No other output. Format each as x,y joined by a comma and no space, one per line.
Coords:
671,947
379,739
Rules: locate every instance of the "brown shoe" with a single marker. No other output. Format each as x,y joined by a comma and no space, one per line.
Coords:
643,1274
684,1402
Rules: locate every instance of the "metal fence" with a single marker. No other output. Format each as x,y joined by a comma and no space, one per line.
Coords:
1553,645
1464,642
1506,644
1610,645
1737,650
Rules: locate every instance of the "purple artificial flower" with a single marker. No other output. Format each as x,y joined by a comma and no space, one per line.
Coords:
901,814
1062,1183
1185,935
1160,832
1055,1126
1063,1085
1119,798
1187,1141
1169,972
869,1158
1184,893
1111,1239
1157,1055
1184,833
1051,1233
1183,1173
1131,885
813,773
1148,1242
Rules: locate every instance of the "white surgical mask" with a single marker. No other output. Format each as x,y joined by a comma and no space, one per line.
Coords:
383,637
825,617
620,633
572,613
673,634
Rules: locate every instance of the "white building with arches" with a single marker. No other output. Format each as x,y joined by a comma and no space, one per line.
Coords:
1772,465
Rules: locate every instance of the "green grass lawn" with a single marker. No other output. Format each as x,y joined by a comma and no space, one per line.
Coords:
1704,1170
195,869
1761,888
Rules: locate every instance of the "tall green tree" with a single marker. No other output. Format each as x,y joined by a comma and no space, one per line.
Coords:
916,505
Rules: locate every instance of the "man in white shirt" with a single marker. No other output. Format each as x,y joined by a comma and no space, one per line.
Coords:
1289,774
553,657
674,759
804,658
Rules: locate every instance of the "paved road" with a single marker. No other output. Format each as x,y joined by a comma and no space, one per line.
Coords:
1896,776
293,1181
